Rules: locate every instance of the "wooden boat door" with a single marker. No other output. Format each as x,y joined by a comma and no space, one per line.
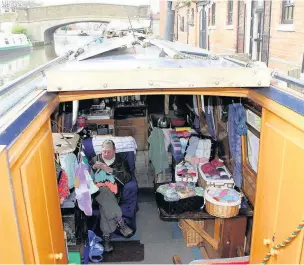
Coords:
279,185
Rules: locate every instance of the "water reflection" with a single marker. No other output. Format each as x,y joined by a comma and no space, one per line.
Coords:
11,67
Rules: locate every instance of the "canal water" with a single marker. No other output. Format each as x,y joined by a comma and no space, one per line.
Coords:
12,67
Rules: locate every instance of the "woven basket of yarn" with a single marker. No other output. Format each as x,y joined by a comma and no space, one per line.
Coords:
221,209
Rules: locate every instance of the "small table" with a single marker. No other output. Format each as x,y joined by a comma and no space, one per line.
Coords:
223,237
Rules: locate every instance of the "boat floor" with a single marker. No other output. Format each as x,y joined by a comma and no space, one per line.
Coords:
162,240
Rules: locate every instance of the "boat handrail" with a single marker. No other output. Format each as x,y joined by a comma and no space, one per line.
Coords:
33,72
288,79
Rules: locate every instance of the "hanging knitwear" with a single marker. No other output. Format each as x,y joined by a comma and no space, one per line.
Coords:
235,143
83,194
63,187
240,120
68,163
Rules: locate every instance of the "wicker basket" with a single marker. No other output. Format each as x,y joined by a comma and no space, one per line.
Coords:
192,239
219,209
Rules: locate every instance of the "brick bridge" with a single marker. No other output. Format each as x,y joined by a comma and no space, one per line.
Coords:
42,22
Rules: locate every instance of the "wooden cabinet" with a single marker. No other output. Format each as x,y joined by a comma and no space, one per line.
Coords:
37,201
279,196
135,127
229,234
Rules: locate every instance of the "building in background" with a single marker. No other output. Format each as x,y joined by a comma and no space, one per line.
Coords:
162,16
155,21
185,22
270,31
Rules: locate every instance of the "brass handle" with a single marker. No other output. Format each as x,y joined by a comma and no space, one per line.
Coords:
267,241
58,256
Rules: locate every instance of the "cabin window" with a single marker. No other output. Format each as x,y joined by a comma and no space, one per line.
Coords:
192,17
212,15
6,41
229,12
253,122
182,24
287,11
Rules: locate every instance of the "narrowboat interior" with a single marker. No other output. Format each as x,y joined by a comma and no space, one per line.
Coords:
214,152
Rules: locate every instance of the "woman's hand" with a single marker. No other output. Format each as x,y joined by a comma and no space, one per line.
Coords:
97,165
106,168
103,166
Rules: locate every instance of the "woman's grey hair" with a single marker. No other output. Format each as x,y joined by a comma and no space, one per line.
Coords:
108,143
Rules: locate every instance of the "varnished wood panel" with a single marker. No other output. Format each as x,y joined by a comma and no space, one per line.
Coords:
212,91
52,197
19,196
24,139
291,197
268,183
279,189
37,201
287,114
33,186
10,243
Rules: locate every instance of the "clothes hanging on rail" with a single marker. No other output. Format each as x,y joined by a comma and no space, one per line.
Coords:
210,118
69,163
157,151
82,189
236,128
63,187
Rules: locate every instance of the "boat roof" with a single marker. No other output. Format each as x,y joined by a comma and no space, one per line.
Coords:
152,63
149,64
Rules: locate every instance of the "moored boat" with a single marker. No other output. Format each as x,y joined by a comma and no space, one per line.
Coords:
12,43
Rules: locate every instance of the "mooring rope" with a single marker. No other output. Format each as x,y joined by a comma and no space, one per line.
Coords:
284,243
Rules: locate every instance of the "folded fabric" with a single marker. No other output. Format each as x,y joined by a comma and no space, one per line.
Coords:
179,190
207,168
183,129
193,143
199,191
183,195
217,163
224,195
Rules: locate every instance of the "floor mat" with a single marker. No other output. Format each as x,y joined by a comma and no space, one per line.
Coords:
126,251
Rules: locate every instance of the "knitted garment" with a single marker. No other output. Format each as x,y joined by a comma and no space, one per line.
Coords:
235,143
102,176
68,163
82,190
63,187
240,120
